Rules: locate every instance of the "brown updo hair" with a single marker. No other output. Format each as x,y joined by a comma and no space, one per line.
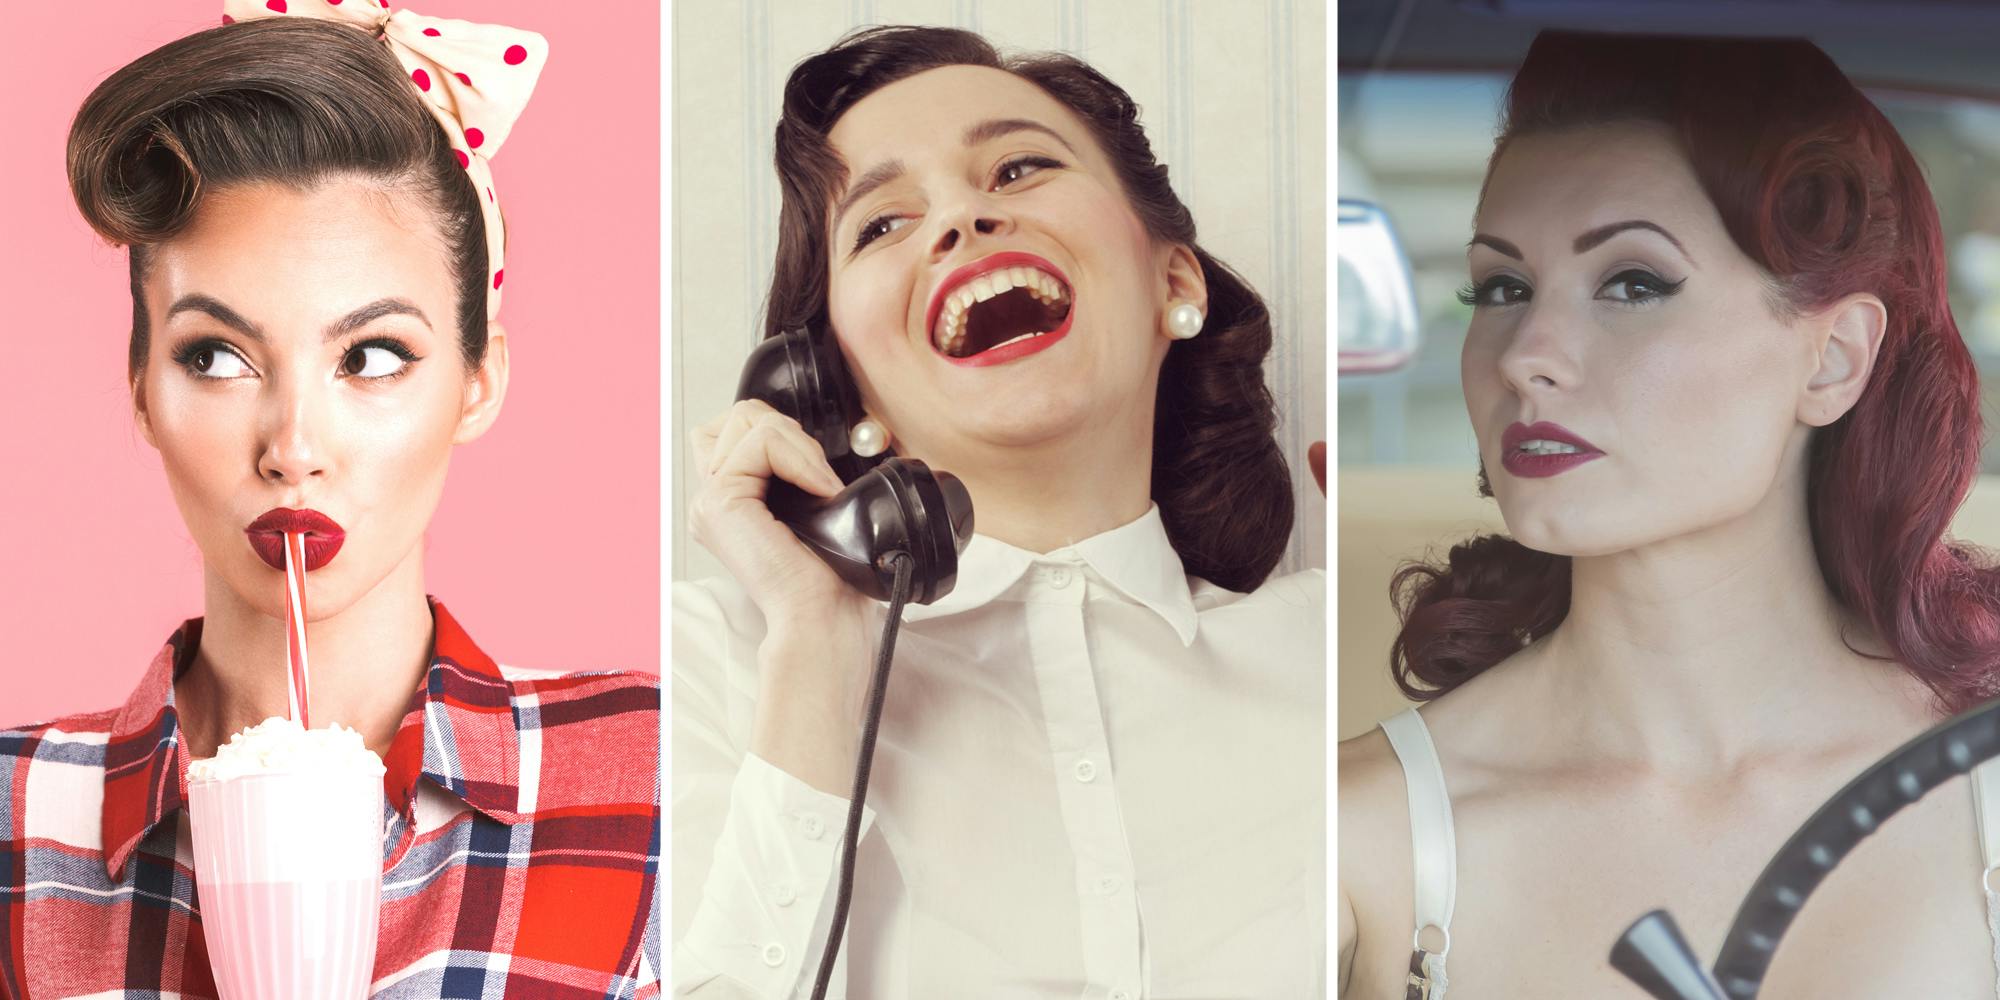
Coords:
1224,491
293,101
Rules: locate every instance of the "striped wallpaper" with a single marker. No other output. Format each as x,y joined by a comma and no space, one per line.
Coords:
1232,93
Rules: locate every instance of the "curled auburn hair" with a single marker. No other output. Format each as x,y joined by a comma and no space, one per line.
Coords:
286,100
1813,184
1224,491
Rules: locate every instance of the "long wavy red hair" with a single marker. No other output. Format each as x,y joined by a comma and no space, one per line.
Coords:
1814,185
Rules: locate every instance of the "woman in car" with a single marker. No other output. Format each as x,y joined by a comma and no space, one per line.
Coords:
1723,406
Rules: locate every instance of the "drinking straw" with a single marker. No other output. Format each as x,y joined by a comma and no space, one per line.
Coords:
300,678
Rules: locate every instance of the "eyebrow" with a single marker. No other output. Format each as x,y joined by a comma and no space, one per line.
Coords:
979,132
214,309
1585,243
1596,237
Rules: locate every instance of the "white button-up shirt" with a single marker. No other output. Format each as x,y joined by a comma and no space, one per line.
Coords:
1096,777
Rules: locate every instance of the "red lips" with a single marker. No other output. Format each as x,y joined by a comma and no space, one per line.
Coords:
1539,466
995,262
323,536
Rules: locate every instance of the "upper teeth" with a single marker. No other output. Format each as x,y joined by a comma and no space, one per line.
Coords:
1549,448
949,334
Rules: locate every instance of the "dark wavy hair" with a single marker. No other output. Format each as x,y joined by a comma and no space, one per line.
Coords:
1224,491
287,100
1813,184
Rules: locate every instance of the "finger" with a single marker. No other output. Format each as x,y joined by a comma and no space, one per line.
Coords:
766,450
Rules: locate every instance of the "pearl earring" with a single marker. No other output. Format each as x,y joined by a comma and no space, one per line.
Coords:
1184,321
868,438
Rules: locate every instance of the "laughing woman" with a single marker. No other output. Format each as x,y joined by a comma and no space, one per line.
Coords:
1100,770
315,268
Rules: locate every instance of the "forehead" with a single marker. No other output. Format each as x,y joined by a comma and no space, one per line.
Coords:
333,240
930,110
1556,185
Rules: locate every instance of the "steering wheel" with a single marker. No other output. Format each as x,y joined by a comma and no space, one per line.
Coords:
1652,952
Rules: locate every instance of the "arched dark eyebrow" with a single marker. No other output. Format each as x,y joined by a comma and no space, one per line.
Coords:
986,131
1585,243
213,308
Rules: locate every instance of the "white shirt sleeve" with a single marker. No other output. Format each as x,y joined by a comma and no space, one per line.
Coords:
756,850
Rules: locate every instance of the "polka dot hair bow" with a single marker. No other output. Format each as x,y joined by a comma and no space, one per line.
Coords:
474,78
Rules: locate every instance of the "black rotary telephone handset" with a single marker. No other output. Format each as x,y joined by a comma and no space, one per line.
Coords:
889,505
894,533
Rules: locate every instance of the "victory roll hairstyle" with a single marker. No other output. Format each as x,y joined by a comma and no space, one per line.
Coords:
290,101
1816,187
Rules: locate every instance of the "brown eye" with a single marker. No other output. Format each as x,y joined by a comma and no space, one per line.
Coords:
374,360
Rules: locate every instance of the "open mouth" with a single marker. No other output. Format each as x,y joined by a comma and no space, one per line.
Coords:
1007,305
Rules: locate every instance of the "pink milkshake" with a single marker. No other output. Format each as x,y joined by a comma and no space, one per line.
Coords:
288,861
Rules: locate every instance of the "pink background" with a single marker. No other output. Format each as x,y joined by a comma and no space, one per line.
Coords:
546,546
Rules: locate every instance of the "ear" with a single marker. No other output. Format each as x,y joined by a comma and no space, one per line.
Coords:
1182,280
139,414
1848,335
486,389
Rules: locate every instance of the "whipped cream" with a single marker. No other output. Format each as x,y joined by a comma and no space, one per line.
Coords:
280,744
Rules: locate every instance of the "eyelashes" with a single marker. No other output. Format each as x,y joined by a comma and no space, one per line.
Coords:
1008,172
215,360
1633,286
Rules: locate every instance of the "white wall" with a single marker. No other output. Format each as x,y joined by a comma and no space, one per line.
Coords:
1232,95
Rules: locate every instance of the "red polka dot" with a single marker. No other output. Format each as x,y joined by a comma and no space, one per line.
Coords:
226,19
463,160
497,275
515,56
423,79
473,137
433,32
489,194
277,5
462,78
336,3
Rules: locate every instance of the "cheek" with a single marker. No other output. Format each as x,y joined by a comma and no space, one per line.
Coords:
1718,411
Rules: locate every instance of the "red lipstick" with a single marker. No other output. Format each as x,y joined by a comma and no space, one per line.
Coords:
1018,349
323,536
1535,465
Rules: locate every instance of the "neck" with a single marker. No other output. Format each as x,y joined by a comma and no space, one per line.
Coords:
1707,651
1063,490
367,659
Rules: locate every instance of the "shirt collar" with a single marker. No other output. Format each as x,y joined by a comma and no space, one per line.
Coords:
1136,558
464,699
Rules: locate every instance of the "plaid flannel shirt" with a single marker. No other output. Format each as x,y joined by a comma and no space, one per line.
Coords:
522,855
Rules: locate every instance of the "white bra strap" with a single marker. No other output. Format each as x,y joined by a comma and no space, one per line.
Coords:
1986,808
1986,805
1433,845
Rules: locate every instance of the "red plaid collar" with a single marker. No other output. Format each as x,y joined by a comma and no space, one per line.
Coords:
146,759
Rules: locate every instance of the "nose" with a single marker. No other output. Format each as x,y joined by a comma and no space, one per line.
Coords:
972,214
291,450
1539,358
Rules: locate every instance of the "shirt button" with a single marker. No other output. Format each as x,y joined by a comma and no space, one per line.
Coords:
813,827
1059,576
783,895
1086,771
774,954
1121,995
1107,884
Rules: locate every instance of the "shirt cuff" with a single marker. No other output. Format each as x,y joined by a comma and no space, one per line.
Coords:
767,906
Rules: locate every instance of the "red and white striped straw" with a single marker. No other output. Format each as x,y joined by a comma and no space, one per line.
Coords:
295,628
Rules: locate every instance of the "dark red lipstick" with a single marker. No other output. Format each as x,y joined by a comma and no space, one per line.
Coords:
1538,465
323,536
1008,352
